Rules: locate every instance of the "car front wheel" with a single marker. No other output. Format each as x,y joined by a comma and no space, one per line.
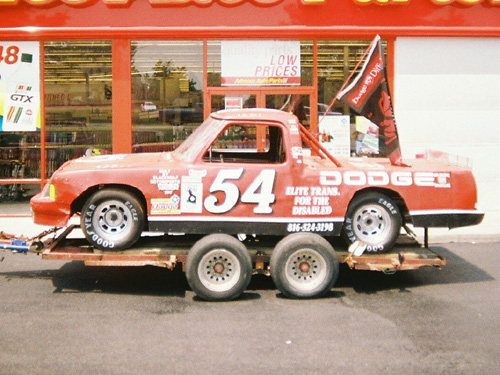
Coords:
112,219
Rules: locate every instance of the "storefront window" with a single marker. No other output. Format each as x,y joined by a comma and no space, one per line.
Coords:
336,61
78,89
167,93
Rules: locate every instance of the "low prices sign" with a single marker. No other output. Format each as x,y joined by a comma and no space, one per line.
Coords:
260,63
19,86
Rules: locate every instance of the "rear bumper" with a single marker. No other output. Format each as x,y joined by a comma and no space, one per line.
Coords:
49,212
446,218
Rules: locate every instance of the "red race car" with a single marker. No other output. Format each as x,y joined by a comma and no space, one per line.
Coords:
246,172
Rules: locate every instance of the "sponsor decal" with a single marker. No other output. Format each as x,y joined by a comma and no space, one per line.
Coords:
297,152
165,206
166,182
312,200
191,197
192,191
383,178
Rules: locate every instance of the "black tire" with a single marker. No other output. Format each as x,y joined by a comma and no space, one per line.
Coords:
304,265
112,219
373,219
218,268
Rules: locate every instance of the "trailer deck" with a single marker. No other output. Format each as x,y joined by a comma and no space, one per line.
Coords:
170,251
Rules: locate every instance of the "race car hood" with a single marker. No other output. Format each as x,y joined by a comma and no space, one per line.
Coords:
116,161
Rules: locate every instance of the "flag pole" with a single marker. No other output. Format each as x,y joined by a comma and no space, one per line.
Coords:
348,79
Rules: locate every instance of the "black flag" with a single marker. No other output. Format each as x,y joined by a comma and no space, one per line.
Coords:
368,94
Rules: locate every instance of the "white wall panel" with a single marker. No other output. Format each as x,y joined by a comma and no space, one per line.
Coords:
447,97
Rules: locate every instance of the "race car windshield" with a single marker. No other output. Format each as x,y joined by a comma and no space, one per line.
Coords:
195,143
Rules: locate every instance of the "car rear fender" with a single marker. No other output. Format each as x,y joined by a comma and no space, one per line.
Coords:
393,195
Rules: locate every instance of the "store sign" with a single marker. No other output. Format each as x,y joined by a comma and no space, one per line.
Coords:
19,86
112,3
203,3
260,63
404,2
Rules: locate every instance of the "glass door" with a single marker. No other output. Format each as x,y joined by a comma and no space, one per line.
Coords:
298,104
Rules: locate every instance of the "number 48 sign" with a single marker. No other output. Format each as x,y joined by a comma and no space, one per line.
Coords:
19,86
11,54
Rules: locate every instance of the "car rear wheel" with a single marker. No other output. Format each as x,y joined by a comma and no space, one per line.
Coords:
112,219
373,219
218,268
304,265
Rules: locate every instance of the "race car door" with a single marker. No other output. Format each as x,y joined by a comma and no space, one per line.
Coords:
248,171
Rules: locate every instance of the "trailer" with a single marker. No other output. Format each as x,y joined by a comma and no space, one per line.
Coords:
219,267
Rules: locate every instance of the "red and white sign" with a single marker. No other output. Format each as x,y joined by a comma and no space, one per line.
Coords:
233,102
260,63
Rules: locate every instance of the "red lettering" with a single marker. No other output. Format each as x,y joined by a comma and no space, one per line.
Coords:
111,3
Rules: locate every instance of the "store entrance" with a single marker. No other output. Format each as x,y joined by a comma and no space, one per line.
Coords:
293,100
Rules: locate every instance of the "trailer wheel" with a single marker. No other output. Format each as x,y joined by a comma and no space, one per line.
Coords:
218,268
373,219
304,265
112,219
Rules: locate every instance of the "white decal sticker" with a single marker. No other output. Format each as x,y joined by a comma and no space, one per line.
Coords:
197,173
296,152
191,197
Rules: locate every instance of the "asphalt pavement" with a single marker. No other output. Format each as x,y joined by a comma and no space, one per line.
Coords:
60,317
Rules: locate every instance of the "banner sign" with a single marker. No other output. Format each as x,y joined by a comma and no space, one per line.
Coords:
260,63
19,86
368,94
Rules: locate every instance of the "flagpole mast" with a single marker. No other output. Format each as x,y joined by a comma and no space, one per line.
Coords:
347,80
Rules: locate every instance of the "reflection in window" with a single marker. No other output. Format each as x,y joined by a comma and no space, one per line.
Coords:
167,93
77,100
243,143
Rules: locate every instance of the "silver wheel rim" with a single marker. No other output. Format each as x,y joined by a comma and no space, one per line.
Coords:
372,224
305,269
112,219
219,270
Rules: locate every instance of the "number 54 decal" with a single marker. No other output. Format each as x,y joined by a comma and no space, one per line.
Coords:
260,191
